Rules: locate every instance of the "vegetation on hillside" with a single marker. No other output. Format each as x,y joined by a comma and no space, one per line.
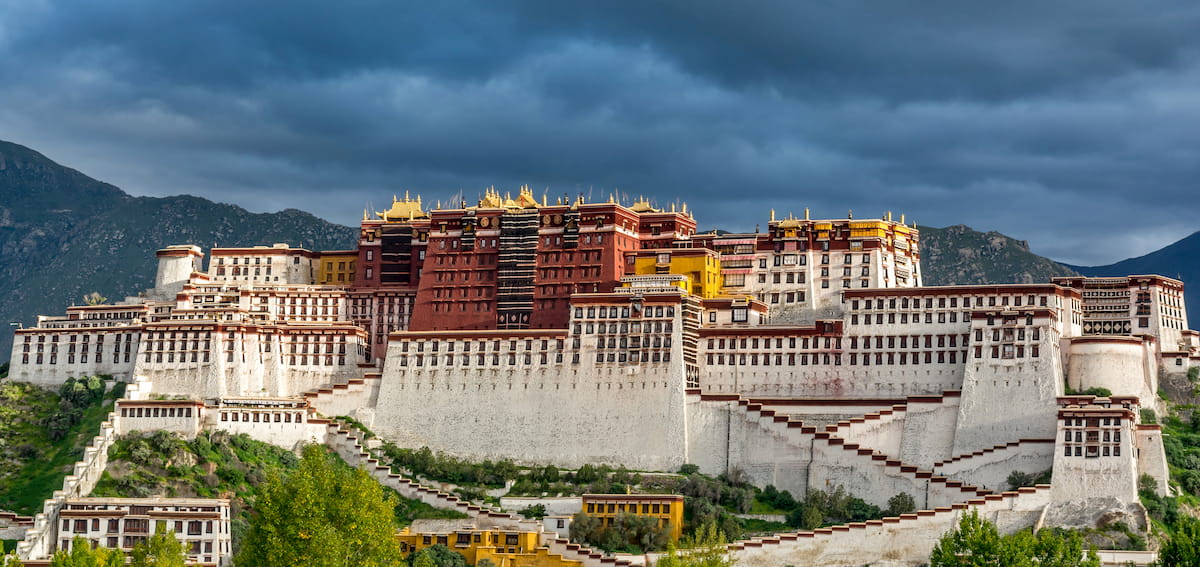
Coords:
43,434
215,464
55,223
160,550
976,541
323,513
704,548
959,255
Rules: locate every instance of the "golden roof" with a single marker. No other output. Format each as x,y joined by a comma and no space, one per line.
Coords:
403,209
642,205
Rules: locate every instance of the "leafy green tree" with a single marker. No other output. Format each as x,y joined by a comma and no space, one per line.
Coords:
10,559
705,548
901,503
438,556
1183,547
976,542
326,514
161,550
82,554
533,511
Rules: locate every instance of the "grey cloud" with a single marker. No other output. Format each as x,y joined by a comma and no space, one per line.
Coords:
1069,127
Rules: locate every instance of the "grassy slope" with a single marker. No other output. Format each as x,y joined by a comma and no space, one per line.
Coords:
214,465
32,466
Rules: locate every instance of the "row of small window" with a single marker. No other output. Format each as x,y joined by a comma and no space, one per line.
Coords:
619,508
465,538
1092,451
902,358
257,260
633,356
40,358
481,345
84,340
623,312
753,359
1092,421
135,526
156,412
904,318
802,343
1113,436
903,341
170,345
83,349
623,328
944,302
1010,351
1010,334
237,271
789,297
262,417
481,359
483,306
195,548
634,342
113,315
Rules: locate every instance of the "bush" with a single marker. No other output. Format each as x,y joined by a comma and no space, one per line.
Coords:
533,511
901,503
689,469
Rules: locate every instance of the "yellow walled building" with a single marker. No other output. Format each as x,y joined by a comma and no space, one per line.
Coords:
701,267
668,508
336,267
504,548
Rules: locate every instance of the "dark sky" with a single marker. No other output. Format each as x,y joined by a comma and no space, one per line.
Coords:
1074,125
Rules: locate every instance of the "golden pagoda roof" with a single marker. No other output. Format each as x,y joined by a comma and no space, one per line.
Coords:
525,199
403,209
642,205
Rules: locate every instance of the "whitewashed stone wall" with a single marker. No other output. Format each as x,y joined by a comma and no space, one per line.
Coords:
903,541
1151,457
990,468
929,429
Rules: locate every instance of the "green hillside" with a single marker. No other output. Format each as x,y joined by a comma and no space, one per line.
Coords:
43,434
63,235
958,255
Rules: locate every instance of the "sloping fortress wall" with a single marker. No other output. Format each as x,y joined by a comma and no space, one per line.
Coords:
610,392
806,356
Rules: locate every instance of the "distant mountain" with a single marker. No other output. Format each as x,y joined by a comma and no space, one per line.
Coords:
64,234
959,255
1180,260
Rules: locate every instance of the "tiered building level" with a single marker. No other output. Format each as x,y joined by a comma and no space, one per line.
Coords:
572,332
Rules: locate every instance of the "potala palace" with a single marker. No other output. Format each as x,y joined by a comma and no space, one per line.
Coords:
808,356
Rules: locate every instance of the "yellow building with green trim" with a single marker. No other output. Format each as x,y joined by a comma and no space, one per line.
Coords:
701,267
337,267
505,548
667,508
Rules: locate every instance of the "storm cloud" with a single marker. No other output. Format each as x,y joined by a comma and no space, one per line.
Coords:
1069,124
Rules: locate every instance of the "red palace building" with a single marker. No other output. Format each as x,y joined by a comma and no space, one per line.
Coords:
504,264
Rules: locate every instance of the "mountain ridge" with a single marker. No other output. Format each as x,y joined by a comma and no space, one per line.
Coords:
1176,260
64,234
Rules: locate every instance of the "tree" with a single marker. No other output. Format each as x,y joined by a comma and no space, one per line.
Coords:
10,560
533,511
705,548
161,550
82,554
1183,547
901,503
325,513
438,556
977,542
